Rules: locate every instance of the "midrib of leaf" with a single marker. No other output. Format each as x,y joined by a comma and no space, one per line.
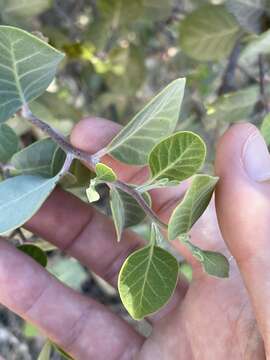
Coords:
146,274
25,195
171,164
15,71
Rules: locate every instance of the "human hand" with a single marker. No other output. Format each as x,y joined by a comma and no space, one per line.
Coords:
207,319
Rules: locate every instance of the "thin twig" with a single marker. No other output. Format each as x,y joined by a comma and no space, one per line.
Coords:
139,198
262,84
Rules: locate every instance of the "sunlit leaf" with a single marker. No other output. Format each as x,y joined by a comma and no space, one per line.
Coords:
35,252
42,157
177,157
27,65
126,211
45,352
105,173
147,281
21,197
192,206
9,143
208,33
92,194
157,120
265,129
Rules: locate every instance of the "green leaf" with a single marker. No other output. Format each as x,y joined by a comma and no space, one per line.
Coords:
257,46
156,185
247,12
234,106
213,263
43,157
192,206
208,33
105,173
28,66
265,129
177,157
35,252
157,120
157,10
92,194
62,352
147,281
9,143
21,197
45,352
126,211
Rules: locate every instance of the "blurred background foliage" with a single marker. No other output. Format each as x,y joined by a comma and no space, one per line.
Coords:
119,53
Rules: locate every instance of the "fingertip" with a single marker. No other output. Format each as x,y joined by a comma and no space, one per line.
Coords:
93,133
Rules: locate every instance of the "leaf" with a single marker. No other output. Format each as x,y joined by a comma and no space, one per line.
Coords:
208,33
45,352
27,67
147,281
12,10
259,45
213,263
157,10
43,157
157,120
192,206
62,352
265,129
126,211
234,106
248,13
105,173
35,252
156,185
92,194
21,197
9,143
178,157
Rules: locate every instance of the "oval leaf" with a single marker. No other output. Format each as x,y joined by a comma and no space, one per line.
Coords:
9,143
35,252
126,211
192,206
42,158
178,157
208,33
105,173
21,197
27,67
147,281
157,120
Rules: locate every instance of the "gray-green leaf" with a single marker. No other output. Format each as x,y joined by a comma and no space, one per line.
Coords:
126,211
192,206
259,45
42,157
9,143
178,157
265,129
35,252
27,67
157,120
21,197
147,281
208,33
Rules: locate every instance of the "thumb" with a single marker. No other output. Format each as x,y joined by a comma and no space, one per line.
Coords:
243,210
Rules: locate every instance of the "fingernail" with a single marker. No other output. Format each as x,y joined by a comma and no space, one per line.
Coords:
256,158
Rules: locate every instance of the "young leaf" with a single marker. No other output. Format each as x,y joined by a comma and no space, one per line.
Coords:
27,65
35,252
147,280
265,129
21,197
9,143
126,211
178,157
213,263
42,158
157,120
192,206
92,194
45,352
105,173
208,33
247,12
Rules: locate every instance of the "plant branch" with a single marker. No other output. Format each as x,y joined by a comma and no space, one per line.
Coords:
139,198
58,138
